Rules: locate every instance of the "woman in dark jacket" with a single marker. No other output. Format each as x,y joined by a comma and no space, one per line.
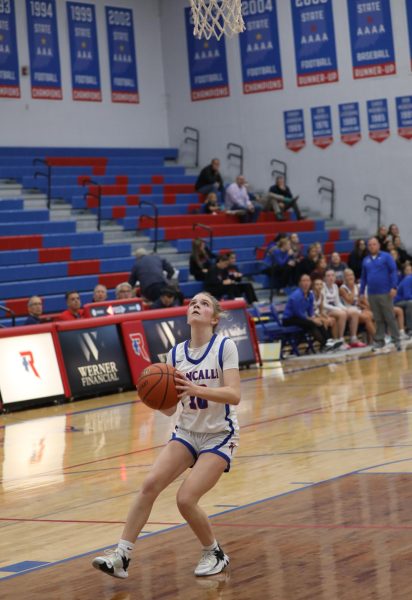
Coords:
356,257
200,259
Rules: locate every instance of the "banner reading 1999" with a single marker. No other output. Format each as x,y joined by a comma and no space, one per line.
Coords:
9,62
44,50
207,65
371,38
259,47
315,47
122,55
84,51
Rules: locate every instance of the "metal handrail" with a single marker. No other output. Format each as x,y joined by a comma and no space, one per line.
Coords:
239,156
377,209
98,197
207,228
155,219
330,190
275,171
11,313
195,140
38,161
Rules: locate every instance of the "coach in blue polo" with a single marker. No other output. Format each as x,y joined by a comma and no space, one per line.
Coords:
379,275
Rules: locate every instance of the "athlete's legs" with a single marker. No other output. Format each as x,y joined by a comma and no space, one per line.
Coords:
340,316
202,478
353,318
173,460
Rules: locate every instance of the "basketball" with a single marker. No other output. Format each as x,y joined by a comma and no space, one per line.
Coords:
156,386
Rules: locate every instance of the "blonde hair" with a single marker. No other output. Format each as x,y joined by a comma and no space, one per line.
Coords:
218,311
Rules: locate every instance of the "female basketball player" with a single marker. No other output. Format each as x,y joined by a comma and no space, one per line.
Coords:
205,438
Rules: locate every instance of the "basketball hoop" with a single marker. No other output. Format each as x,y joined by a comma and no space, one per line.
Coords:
216,18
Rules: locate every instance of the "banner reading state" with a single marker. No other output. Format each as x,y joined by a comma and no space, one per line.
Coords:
44,50
349,121
315,48
259,47
122,55
9,61
84,52
207,65
322,126
294,129
371,36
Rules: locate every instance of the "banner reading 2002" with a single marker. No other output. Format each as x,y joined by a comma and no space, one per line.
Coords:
44,50
207,65
122,55
315,47
259,47
9,62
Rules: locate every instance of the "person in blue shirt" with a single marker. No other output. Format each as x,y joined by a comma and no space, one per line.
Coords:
379,276
299,311
403,299
281,264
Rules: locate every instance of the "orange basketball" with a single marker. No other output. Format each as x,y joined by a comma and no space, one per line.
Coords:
156,386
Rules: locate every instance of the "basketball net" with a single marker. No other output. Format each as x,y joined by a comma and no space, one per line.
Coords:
216,18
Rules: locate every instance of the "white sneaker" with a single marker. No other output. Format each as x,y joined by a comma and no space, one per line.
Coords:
404,336
113,563
212,562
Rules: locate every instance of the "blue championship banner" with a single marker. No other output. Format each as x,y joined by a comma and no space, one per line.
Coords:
404,115
259,47
315,48
322,126
9,61
349,122
371,37
207,65
294,129
378,119
84,52
44,50
409,17
122,55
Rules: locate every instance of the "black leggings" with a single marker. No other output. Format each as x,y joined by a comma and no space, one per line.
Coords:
318,332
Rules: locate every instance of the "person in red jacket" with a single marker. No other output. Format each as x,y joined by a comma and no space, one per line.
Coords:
74,310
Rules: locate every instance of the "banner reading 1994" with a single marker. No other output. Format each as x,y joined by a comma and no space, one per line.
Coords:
9,62
207,65
122,55
371,36
315,48
44,50
259,47
84,52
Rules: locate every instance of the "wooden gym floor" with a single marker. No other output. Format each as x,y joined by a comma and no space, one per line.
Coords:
318,504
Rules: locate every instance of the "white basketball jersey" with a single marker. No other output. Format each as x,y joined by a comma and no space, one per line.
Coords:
204,366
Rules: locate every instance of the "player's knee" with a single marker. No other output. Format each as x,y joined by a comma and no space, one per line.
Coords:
185,501
151,487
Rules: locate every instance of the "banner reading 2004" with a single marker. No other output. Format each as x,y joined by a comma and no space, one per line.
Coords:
122,55
315,48
44,50
259,47
9,62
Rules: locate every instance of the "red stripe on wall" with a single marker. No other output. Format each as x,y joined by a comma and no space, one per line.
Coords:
54,254
84,267
21,242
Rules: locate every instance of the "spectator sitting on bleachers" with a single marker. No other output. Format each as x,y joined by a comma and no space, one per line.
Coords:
210,179
308,264
281,264
74,310
167,299
320,269
282,194
35,310
296,247
219,284
300,312
403,254
245,287
356,257
383,237
337,265
403,298
211,204
100,293
124,291
148,271
349,293
237,200
393,230
200,259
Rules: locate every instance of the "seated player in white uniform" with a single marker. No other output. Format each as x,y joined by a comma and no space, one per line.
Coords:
205,438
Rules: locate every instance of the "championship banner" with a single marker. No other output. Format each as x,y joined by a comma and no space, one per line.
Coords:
378,119
315,48
409,18
9,60
370,26
44,50
84,52
207,65
294,129
349,123
122,55
322,126
404,115
259,47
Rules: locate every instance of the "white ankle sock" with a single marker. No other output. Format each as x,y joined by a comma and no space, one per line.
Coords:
125,547
212,547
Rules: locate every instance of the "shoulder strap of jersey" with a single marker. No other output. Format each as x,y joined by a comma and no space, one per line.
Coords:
221,347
